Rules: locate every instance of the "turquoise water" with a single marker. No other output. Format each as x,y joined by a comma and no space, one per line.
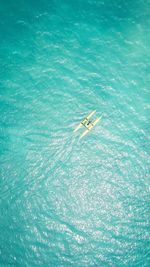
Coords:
68,202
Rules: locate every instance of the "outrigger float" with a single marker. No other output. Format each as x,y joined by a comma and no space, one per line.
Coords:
87,123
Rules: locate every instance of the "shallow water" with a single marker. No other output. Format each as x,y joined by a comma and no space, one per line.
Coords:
65,201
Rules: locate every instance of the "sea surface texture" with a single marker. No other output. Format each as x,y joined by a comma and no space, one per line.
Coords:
67,202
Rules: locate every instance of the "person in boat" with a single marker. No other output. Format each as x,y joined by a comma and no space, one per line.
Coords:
88,123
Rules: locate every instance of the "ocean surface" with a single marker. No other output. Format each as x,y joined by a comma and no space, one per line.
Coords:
66,202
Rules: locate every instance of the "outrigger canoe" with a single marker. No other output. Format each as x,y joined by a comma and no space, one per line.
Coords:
87,124
84,121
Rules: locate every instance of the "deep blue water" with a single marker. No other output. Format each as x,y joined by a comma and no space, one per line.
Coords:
64,201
